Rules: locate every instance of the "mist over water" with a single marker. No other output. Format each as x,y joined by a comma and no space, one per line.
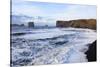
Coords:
50,46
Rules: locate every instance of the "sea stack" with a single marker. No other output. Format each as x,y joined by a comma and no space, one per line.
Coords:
31,24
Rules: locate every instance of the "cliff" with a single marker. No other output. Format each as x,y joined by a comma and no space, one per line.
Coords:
91,53
80,23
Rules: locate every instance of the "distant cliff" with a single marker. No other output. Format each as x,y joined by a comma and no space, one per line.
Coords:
80,23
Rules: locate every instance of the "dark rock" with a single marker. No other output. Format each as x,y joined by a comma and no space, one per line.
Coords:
31,24
91,53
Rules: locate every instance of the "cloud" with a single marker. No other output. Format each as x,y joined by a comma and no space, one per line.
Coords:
54,11
31,8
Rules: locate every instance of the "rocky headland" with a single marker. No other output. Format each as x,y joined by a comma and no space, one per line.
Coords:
82,23
79,23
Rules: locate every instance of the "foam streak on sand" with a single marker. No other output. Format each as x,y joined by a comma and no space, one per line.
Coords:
52,46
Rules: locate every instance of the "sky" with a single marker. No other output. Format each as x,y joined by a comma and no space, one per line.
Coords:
53,11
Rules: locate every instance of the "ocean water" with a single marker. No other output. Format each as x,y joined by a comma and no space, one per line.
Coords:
50,46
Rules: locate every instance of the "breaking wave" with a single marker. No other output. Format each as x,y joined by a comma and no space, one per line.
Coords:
51,46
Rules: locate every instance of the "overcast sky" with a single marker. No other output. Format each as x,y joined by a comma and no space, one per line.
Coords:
53,10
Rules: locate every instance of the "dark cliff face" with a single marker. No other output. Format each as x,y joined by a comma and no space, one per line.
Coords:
80,23
91,53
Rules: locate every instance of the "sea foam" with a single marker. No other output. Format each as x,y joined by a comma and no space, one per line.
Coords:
51,46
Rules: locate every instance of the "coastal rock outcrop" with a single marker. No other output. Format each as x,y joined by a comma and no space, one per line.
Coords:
79,23
31,24
91,53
